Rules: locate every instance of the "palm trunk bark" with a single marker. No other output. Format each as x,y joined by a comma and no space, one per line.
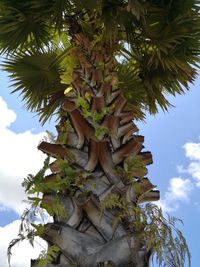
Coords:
100,140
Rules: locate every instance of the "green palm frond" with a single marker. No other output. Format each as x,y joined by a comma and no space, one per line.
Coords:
142,97
26,23
163,56
148,89
19,26
54,11
133,90
36,76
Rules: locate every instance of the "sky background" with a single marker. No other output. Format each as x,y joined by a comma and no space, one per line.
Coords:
173,138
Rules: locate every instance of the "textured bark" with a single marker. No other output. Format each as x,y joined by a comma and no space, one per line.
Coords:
87,237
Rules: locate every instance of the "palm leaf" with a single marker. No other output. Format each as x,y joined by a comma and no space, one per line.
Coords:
19,26
36,76
161,56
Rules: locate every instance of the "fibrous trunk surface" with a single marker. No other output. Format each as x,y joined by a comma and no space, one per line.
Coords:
97,139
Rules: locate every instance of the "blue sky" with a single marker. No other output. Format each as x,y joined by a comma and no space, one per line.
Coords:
173,138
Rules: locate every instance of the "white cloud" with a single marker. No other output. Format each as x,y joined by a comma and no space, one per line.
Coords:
194,170
18,157
22,253
7,116
192,150
178,191
180,188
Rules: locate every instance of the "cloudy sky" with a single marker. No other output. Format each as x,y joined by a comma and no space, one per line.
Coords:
173,138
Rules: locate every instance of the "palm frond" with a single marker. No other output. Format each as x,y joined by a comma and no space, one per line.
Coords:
162,54
142,95
33,23
54,11
36,76
133,90
19,26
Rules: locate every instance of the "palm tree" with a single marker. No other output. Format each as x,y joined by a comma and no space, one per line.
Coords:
98,65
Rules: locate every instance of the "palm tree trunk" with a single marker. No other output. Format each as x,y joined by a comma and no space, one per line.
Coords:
96,138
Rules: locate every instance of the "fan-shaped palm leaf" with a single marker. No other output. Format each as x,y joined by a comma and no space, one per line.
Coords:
36,76
20,26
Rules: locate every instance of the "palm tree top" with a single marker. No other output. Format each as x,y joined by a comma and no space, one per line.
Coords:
155,46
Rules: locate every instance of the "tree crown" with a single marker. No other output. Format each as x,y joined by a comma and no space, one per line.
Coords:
155,46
